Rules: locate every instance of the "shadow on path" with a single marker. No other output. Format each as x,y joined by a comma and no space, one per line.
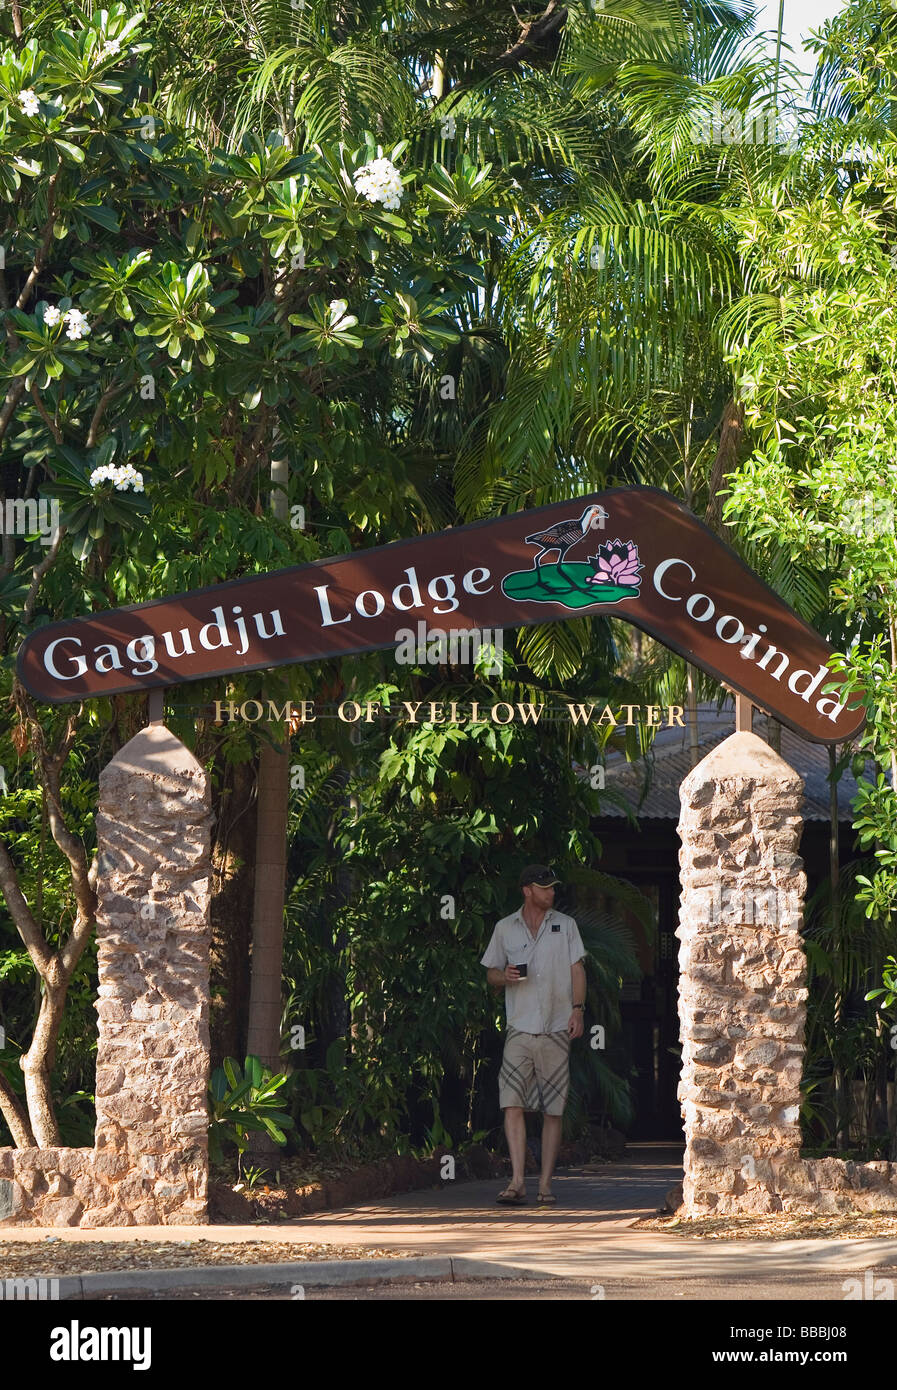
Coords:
598,1195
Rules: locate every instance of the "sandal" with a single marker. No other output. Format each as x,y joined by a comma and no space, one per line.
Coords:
511,1198
546,1199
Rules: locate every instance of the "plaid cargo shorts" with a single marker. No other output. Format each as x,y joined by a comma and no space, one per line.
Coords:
535,1071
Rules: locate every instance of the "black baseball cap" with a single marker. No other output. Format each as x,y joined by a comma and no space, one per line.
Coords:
539,874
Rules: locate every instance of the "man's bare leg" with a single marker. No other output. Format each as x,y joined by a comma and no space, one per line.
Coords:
551,1142
515,1132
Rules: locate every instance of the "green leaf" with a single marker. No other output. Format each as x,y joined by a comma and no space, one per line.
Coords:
106,452
81,547
71,150
104,217
194,276
254,1069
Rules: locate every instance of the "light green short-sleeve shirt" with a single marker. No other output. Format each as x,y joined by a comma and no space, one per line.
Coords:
542,1003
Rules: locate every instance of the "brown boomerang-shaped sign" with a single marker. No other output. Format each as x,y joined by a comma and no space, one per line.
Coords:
636,553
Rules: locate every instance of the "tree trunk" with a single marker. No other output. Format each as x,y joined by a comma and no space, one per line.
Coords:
16,1116
270,862
730,433
869,1102
37,1064
233,855
53,969
334,1020
843,1096
691,704
270,886
437,86
881,1084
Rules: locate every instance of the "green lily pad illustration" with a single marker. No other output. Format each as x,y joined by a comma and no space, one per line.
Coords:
563,584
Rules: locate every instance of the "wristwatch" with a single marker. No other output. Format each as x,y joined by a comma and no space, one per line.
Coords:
580,1006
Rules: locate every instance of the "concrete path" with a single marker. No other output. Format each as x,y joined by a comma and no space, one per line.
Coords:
589,1234
594,1201
586,1236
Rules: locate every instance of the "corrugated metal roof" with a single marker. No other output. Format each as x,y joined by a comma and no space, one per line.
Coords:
669,761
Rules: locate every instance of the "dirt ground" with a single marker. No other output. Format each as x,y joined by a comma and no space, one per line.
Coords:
55,1257
777,1226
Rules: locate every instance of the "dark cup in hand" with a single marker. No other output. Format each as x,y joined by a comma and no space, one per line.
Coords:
521,970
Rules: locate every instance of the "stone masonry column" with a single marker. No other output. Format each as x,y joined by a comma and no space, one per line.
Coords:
153,935
742,994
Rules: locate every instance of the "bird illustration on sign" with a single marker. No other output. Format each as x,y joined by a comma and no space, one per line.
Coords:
567,534
610,575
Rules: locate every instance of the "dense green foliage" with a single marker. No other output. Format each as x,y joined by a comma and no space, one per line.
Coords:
435,877
243,1101
571,288
189,260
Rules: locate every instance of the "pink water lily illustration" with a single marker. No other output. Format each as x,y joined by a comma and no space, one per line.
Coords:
617,563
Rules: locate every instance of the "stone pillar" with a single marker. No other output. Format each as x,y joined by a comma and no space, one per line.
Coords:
742,979
153,935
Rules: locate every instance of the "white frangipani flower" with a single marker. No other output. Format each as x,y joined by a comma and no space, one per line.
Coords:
128,477
380,182
51,316
123,477
77,324
844,256
30,102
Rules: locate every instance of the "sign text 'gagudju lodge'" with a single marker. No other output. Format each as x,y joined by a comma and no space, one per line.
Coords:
635,553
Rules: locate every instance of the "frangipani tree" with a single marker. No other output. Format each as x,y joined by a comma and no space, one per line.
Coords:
175,316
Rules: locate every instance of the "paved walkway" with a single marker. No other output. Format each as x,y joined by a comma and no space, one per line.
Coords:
592,1200
587,1235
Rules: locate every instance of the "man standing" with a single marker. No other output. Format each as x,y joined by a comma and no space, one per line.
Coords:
536,955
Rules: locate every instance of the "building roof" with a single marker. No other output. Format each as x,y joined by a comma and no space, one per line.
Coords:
669,761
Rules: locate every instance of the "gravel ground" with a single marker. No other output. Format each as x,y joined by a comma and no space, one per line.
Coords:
778,1226
55,1256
